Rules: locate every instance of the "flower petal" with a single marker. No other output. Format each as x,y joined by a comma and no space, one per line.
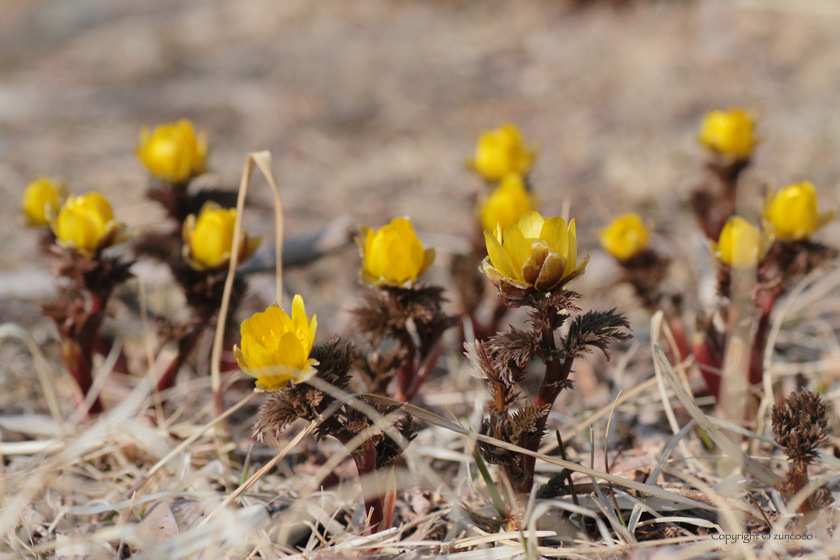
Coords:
518,249
556,233
571,257
530,224
531,268
577,271
497,256
551,274
428,259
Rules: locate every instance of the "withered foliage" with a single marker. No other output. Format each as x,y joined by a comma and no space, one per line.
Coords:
387,450
596,329
378,367
800,425
645,273
414,319
386,312
179,203
554,305
513,350
204,288
99,275
522,428
304,401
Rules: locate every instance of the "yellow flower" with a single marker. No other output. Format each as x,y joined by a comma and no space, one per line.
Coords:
41,200
506,203
534,255
393,255
740,244
729,133
86,224
625,237
172,152
276,347
793,213
208,241
500,152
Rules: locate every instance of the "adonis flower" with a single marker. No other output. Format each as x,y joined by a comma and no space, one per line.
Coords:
729,133
208,240
740,244
506,203
500,152
794,213
393,255
276,348
625,237
172,152
86,224
42,199
534,255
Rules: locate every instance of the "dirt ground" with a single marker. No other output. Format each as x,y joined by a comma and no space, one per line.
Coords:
370,108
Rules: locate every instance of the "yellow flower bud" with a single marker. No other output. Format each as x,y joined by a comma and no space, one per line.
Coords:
172,152
393,255
534,255
86,224
793,213
740,244
625,237
41,201
208,240
500,152
506,203
729,133
275,347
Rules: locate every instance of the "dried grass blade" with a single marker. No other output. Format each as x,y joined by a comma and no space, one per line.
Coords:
263,161
753,467
42,368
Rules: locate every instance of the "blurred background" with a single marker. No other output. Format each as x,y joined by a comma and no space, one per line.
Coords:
370,108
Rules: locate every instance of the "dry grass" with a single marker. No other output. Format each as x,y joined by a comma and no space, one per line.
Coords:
181,479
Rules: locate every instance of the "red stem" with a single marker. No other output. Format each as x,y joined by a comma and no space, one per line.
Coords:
77,351
405,375
800,481
766,301
483,331
707,359
426,369
366,465
556,372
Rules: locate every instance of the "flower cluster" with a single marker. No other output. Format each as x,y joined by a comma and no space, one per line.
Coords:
779,250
